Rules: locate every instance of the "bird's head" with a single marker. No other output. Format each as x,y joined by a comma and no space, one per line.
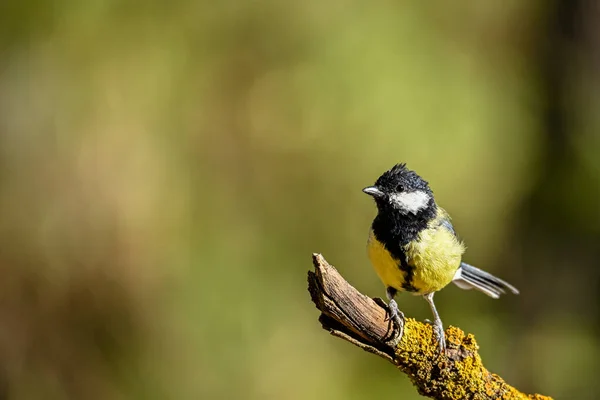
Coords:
401,190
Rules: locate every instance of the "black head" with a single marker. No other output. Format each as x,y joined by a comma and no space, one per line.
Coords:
402,191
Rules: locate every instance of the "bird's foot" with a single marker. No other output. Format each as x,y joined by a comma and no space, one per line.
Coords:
399,324
395,314
438,332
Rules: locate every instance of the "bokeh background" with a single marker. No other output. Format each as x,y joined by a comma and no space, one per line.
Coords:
167,169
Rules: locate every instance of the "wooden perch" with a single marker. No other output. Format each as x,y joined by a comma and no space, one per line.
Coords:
361,320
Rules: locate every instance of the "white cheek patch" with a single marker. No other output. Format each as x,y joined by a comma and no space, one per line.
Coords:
411,202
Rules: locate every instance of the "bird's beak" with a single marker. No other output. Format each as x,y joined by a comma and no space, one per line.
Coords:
373,191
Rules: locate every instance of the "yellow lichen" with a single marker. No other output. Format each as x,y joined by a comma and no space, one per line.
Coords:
458,374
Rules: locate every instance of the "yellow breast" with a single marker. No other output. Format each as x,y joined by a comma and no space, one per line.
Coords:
435,257
432,258
387,268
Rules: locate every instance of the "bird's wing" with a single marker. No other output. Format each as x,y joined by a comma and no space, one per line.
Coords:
444,221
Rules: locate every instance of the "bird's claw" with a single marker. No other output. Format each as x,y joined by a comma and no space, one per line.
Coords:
394,313
379,301
438,332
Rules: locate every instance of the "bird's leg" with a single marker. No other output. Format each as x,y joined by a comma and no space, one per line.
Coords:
437,323
395,313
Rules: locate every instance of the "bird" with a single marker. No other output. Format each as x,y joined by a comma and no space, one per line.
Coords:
414,248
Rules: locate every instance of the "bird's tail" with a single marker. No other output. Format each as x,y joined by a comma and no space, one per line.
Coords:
469,277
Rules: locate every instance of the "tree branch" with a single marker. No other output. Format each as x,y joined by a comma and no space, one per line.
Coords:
361,320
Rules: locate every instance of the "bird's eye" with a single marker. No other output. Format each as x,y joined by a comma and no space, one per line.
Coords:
400,188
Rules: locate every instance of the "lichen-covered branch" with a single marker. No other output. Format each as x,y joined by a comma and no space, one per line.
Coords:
361,320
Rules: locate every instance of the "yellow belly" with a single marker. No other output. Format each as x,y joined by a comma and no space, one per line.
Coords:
434,258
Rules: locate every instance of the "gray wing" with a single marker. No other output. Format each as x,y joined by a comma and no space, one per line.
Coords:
448,225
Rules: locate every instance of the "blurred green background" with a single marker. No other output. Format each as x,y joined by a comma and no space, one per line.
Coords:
167,169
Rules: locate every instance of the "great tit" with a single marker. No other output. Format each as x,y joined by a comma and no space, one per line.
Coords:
414,248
